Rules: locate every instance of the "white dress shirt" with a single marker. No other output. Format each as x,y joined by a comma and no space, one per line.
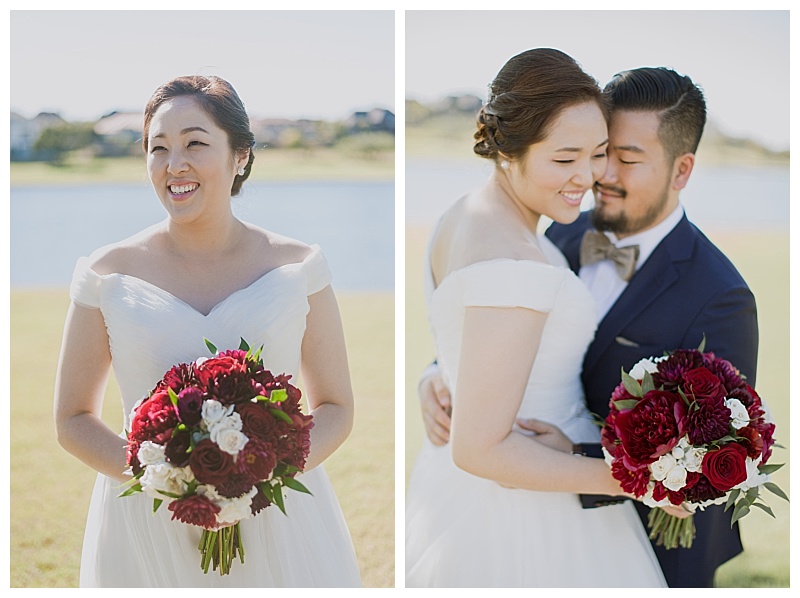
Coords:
602,279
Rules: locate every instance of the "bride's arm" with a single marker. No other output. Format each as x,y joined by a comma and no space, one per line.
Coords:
83,368
326,377
498,349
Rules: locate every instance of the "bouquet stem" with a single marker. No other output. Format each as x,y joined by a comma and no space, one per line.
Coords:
219,547
670,531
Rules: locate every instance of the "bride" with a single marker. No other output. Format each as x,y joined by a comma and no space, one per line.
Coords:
147,303
511,323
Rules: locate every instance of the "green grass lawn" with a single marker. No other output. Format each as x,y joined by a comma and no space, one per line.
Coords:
50,489
763,260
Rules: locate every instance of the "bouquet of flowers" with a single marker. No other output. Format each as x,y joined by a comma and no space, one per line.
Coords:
218,439
686,429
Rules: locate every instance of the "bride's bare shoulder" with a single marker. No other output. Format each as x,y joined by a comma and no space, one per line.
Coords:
278,249
119,256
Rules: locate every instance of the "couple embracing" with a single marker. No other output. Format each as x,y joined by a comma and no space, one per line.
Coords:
531,333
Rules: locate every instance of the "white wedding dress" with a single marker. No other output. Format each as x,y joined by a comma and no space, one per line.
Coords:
125,544
466,531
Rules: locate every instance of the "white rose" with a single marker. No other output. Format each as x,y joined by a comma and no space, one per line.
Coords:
663,466
163,477
214,411
675,479
228,440
645,365
693,458
754,477
236,509
739,416
150,453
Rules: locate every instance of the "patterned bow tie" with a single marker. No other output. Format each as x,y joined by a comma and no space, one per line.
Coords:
596,247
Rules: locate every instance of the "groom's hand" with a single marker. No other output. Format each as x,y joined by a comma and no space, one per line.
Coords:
547,434
434,400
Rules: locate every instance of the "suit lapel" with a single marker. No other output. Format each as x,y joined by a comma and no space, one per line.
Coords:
655,276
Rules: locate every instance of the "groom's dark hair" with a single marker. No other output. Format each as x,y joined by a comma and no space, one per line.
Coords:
679,103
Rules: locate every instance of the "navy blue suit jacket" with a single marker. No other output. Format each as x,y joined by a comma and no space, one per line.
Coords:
686,289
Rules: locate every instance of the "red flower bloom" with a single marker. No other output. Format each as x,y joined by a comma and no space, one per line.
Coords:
195,510
752,441
226,379
258,422
190,405
671,371
708,421
700,384
209,464
154,419
633,480
725,467
257,459
652,428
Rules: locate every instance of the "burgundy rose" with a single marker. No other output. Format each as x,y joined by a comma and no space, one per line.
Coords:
190,406
709,420
195,510
700,384
632,480
257,459
154,419
258,422
671,370
725,467
209,464
177,447
652,427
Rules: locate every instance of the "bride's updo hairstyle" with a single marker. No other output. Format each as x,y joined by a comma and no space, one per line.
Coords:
526,96
221,102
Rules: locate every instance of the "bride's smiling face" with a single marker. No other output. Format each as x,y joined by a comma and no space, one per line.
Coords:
189,160
555,173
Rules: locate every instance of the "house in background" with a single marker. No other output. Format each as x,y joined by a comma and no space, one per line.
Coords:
24,132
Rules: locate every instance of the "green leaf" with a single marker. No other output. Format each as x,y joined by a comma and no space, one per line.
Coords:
133,489
631,385
156,503
647,383
702,346
751,495
266,489
295,485
278,395
210,346
742,509
172,396
770,468
278,496
764,508
686,399
775,489
732,498
243,346
624,404
281,415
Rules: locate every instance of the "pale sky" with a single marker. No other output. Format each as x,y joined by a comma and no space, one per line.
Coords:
739,58
294,64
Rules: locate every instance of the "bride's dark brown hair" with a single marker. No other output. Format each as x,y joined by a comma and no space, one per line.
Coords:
220,100
526,96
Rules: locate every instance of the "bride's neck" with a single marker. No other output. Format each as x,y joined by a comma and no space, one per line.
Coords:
512,207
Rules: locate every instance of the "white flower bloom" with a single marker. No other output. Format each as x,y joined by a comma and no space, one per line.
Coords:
693,458
150,453
663,466
214,411
754,477
645,365
235,509
607,457
163,477
650,501
675,479
739,416
229,440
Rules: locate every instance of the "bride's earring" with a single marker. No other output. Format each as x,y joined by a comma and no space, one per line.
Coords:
241,171
505,164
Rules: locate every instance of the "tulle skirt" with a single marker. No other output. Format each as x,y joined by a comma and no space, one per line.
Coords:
127,545
465,531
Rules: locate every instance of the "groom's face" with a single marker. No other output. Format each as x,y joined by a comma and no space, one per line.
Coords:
634,192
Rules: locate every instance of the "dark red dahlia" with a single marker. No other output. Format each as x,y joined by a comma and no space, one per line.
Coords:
257,459
702,491
235,484
195,510
671,370
708,420
177,378
725,371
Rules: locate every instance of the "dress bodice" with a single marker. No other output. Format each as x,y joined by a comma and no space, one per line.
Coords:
150,330
554,392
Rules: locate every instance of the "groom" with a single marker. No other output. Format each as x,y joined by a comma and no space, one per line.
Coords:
678,288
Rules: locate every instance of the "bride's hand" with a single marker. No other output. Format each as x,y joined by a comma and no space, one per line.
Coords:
677,511
547,434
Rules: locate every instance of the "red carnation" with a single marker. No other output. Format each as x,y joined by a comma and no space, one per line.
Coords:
652,427
725,467
195,510
209,464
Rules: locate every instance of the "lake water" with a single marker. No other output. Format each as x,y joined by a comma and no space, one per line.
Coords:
51,227
716,198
